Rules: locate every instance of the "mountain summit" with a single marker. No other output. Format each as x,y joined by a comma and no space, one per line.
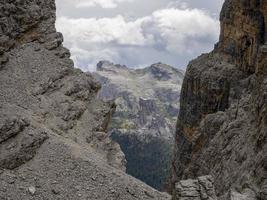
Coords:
148,94
144,121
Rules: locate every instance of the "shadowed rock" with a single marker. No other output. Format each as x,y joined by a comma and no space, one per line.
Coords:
222,127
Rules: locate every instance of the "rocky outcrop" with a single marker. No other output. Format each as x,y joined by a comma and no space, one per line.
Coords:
22,22
243,33
200,189
53,142
222,127
144,122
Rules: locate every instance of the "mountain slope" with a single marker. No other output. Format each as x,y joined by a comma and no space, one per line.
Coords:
52,127
222,127
144,121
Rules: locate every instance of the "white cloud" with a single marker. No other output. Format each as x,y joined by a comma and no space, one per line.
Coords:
172,31
104,30
184,30
108,4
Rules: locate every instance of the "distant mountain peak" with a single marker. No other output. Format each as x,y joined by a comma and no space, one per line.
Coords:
166,67
105,65
157,71
144,122
161,71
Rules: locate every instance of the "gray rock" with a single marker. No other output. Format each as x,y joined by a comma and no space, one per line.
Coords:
199,189
3,59
222,127
48,109
54,41
32,190
10,127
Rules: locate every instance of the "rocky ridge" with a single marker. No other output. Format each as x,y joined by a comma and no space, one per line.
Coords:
221,129
147,98
147,102
53,139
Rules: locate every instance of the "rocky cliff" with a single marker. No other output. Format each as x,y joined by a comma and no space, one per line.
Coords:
52,127
222,125
144,122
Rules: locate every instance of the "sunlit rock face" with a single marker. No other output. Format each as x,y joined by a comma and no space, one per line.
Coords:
222,127
243,32
53,139
144,122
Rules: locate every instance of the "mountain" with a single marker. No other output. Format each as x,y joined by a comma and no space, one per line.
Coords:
221,129
143,124
53,139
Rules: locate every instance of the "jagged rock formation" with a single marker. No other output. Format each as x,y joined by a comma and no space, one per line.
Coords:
222,126
144,122
200,189
53,143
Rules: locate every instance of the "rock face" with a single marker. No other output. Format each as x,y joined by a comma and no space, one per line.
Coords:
222,127
53,139
144,122
199,189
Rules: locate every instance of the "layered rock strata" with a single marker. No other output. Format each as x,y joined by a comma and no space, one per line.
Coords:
222,127
52,127
199,189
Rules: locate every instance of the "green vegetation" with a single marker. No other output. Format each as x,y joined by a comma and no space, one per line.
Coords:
148,159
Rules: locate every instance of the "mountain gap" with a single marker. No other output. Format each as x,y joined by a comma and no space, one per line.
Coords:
56,124
147,103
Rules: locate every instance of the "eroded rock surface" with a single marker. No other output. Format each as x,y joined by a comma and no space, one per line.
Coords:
222,126
53,142
201,188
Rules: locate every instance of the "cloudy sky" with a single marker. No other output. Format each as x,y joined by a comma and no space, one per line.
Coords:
138,33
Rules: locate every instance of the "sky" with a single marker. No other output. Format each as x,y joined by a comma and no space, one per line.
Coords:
138,33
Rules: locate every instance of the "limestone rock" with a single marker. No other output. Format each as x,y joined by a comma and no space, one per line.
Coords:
222,127
3,59
32,190
11,127
48,110
198,189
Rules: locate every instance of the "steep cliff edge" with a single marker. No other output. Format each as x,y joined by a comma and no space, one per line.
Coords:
144,121
222,125
52,127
